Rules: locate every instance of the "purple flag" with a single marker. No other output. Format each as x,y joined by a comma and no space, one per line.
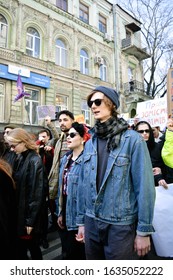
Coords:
20,89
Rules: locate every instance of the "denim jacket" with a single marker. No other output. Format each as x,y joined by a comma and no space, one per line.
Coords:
72,190
127,193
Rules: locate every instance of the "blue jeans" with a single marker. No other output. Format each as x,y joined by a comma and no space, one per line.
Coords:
105,241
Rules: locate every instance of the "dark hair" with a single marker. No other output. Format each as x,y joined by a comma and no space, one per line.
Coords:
151,141
2,144
45,130
79,128
66,112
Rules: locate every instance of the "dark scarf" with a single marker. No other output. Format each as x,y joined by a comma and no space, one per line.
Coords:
111,130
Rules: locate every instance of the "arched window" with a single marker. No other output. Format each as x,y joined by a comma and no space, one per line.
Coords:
84,61
3,31
32,42
61,53
103,71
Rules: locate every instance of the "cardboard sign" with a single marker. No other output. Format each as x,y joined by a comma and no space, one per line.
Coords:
46,110
154,112
170,92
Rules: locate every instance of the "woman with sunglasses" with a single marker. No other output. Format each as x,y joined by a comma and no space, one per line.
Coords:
66,203
145,129
30,179
117,192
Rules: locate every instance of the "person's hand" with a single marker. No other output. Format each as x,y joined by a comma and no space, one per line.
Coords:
170,124
47,119
29,230
156,171
80,236
163,183
142,245
48,148
60,222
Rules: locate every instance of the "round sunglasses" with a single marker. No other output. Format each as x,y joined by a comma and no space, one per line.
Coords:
97,102
72,134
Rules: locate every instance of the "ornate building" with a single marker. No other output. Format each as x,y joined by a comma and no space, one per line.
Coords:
62,50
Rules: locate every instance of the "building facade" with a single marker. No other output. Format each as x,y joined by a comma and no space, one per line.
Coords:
62,49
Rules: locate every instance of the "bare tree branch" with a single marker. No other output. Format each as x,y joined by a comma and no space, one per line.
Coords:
156,17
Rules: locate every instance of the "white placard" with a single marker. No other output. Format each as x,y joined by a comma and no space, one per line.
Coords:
153,111
163,221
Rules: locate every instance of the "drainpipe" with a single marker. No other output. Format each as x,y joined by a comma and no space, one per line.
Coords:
116,52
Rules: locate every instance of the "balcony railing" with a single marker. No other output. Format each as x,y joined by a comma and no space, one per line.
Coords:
132,47
133,87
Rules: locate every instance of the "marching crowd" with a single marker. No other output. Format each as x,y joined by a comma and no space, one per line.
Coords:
99,184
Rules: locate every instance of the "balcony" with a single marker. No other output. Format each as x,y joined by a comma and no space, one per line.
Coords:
133,86
132,47
134,92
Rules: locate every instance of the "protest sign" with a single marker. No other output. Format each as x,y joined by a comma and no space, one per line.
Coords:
153,111
163,221
46,110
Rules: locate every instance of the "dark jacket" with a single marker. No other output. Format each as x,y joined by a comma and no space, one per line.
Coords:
31,184
167,171
7,217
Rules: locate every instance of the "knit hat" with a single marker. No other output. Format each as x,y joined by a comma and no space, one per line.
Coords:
110,93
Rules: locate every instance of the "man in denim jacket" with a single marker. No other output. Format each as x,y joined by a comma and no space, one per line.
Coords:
117,192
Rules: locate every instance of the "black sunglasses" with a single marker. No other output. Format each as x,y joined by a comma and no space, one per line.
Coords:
97,102
72,134
14,146
142,131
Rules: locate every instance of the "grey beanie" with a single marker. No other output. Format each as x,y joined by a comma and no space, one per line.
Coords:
110,93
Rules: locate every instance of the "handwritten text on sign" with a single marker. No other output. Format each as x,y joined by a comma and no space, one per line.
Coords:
153,111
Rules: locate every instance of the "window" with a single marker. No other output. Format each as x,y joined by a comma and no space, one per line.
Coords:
31,104
2,102
62,4
130,74
61,103
102,24
33,42
84,60
61,53
130,79
103,71
3,31
83,13
86,112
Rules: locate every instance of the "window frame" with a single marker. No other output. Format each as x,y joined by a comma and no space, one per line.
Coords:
34,47
102,24
84,62
28,116
2,102
84,10
4,24
61,54
62,4
103,71
85,110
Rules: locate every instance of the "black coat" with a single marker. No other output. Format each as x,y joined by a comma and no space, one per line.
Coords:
31,182
7,217
157,161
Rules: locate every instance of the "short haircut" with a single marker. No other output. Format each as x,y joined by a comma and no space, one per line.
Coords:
44,130
66,112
